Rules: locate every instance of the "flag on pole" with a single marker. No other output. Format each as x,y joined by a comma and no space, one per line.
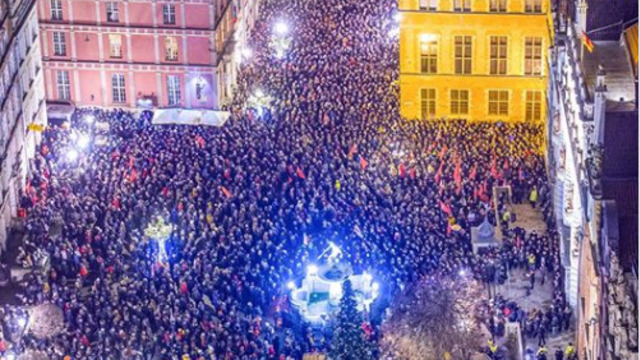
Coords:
588,44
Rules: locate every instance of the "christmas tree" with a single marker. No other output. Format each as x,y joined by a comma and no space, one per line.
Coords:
349,341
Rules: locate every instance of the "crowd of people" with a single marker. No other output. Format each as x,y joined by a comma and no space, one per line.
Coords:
253,202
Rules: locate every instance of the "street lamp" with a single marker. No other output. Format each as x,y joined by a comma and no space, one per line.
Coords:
72,155
246,53
83,141
281,28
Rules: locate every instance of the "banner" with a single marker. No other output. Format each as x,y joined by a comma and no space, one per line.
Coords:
190,117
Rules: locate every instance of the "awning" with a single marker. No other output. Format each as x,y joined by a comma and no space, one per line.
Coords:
631,38
190,117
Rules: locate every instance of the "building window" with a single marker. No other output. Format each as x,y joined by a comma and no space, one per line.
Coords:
171,48
173,89
533,56
56,10
533,6
59,44
533,111
113,14
169,14
499,102
115,46
118,89
64,87
498,6
463,54
459,102
428,54
431,5
498,55
428,103
462,5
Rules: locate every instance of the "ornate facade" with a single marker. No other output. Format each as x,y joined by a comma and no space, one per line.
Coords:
129,53
22,110
592,159
476,60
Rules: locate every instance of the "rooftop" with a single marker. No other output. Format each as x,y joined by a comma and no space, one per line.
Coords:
614,59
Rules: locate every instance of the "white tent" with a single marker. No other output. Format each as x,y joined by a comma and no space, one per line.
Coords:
190,117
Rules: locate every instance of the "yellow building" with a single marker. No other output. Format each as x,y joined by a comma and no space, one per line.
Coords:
474,59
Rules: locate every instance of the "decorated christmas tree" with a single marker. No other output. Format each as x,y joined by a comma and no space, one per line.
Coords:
349,341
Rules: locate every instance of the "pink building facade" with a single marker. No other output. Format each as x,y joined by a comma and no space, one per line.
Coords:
129,53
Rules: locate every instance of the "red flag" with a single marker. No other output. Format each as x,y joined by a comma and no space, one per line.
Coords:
133,176
363,163
225,191
494,171
353,150
401,170
439,173
443,151
200,141
412,173
472,174
445,208
300,173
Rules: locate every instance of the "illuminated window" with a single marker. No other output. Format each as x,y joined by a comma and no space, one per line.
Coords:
499,102
56,10
459,102
64,87
118,88
533,56
173,89
113,14
498,55
462,5
428,54
533,111
431,5
171,48
59,44
498,6
115,46
463,50
533,6
169,14
428,103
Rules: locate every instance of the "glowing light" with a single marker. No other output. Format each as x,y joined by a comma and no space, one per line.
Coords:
462,272
22,322
72,155
10,356
427,37
73,136
259,93
89,119
83,141
394,32
397,17
246,53
291,285
367,277
312,270
375,287
281,28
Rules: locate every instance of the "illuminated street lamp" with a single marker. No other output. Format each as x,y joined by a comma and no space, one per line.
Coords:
246,53
83,141
72,155
281,28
